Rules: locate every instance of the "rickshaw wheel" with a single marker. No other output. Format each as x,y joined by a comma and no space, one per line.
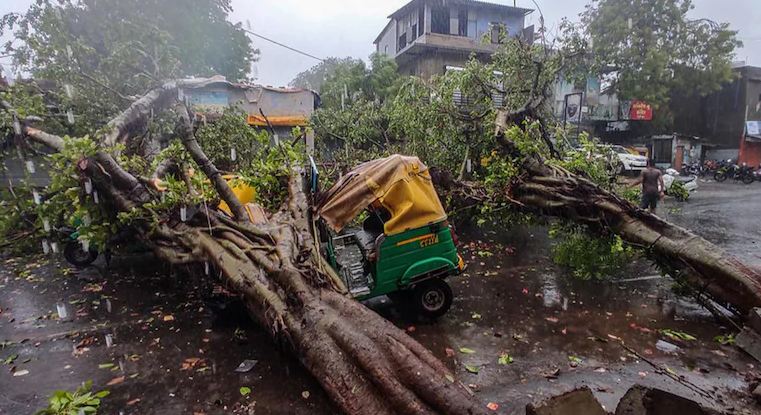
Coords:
433,298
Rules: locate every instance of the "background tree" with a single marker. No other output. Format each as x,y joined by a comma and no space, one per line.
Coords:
648,49
99,55
314,77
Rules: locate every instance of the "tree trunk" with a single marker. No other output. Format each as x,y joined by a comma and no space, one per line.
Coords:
364,363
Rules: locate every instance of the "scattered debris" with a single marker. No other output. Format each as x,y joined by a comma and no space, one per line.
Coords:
246,366
115,381
666,347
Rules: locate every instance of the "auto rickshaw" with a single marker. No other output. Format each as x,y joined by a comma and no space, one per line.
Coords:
405,248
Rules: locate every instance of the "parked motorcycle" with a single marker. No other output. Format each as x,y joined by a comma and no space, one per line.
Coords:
693,169
731,170
709,168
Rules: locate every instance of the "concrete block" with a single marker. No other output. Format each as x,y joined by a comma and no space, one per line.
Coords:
750,342
754,319
640,400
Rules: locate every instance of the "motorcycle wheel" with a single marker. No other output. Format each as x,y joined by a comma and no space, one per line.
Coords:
720,177
748,179
74,253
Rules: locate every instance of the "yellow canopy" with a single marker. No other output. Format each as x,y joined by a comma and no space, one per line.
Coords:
401,184
242,191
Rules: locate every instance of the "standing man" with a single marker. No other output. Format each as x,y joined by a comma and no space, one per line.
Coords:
652,186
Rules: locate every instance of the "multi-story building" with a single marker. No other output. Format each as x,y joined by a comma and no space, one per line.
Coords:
427,36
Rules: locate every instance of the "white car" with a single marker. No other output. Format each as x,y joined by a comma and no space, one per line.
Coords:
629,162
671,175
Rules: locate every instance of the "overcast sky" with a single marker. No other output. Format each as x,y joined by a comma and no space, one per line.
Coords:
348,27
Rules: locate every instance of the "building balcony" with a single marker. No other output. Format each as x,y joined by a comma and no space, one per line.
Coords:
450,43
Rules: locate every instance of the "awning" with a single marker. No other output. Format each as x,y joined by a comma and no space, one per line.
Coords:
278,121
753,138
401,184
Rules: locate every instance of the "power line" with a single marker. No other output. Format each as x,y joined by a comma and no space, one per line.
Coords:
282,45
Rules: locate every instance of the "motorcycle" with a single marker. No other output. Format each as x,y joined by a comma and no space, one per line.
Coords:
709,168
693,169
731,170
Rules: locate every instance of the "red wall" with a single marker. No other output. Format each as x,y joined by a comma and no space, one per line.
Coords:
750,152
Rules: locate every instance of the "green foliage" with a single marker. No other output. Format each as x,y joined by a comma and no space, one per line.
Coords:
648,49
725,340
83,400
633,194
679,191
231,131
586,256
590,160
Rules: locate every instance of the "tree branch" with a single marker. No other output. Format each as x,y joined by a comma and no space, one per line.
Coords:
220,185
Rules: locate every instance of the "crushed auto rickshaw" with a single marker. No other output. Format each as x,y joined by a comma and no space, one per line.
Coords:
405,248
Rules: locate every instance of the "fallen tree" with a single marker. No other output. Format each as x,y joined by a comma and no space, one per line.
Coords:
363,362
551,190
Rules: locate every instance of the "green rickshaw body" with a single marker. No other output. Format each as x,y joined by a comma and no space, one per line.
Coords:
405,248
413,256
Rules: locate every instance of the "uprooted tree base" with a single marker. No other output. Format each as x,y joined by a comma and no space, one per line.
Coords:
364,363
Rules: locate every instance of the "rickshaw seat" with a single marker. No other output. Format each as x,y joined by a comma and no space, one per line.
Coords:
366,240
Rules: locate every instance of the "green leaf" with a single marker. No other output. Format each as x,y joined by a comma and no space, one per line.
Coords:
102,394
245,390
472,369
725,340
466,350
10,359
105,366
505,359
677,335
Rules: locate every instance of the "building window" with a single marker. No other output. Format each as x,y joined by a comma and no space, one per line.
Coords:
385,49
462,22
402,42
440,20
421,20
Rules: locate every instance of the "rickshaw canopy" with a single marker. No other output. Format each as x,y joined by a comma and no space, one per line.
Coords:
401,184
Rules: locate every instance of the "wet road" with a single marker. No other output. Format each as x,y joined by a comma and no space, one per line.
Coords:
172,355
726,214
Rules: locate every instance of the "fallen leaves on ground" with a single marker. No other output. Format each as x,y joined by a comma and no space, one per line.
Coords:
191,363
115,381
93,288
505,359
472,369
493,406
466,350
